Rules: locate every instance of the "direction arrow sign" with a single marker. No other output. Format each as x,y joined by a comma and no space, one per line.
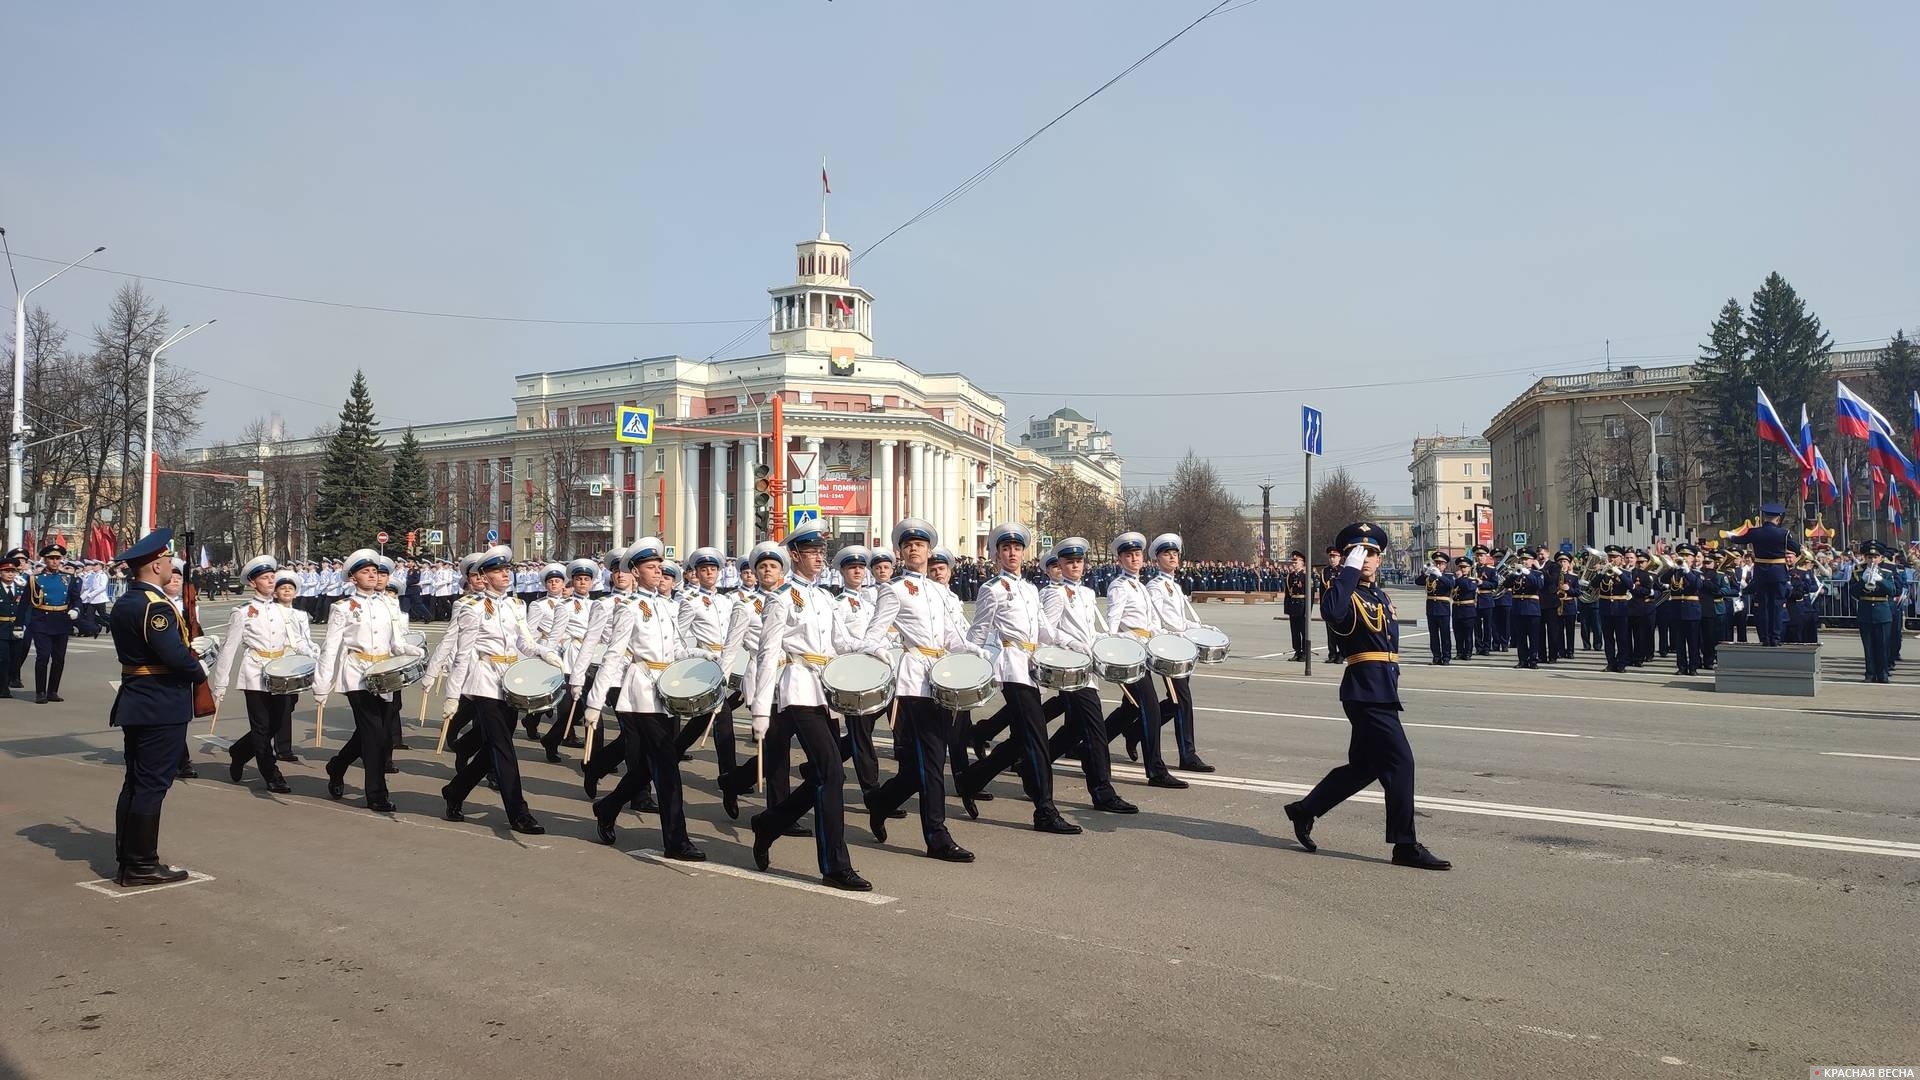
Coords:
634,424
1310,429
493,536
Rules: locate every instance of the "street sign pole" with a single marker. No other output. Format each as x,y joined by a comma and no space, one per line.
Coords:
1307,653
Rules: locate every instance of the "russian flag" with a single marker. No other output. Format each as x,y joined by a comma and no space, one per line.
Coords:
1773,431
1821,475
1883,452
1846,485
1879,487
1916,423
1852,416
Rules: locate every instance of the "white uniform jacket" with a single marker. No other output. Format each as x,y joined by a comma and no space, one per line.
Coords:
259,632
642,643
1170,604
361,632
801,630
1007,614
494,636
442,659
1129,609
922,611
1070,617
708,620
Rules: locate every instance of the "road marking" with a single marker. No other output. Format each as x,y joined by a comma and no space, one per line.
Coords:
106,887
1404,723
1882,757
875,899
1670,826
1588,698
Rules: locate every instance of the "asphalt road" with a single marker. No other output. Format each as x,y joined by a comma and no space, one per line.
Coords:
1651,880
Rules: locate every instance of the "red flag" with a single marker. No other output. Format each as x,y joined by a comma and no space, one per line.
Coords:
1879,487
840,304
825,188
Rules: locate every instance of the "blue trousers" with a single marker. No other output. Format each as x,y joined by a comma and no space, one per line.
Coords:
1376,750
1876,642
153,753
1440,631
1769,611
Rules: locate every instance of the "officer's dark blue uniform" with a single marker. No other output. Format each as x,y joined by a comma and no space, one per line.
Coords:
1466,616
1771,545
1683,596
1483,605
52,599
1439,585
1525,625
1297,585
13,607
1874,611
152,710
1360,616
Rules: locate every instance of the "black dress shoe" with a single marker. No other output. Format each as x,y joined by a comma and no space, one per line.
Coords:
592,786
526,824
1302,825
553,757
684,758
1418,857
730,802
51,696
1133,747
236,768
797,829
574,743
1054,823
132,877
39,698
279,787
380,806
983,796
454,813
849,880
18,685
336,784
287,757
532,727
762,845
877,822
950,853
645,804
1196,765
1166,780
1115,805
391,768
187,772
606,831
686,853
967,801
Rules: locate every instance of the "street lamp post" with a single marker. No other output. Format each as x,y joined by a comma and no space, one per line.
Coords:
1653,449
17,453
149,469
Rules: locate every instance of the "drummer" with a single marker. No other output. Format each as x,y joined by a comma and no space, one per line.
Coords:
1007,613
643,643
963,733
928,631
1131,610
1176,617
803,629
390,591
880,570
286,593
257,635
855,603
453,715
493,637
361,632
540,611
769,562
563,615
1069,620
711,620
585,664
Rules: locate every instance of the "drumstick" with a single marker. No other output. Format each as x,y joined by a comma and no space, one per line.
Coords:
446,723
319,725
593,725
1173,692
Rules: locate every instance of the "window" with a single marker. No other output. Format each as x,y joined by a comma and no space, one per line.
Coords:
1663,424
1486,493
1466,493
1466,468
1486,469
1615,428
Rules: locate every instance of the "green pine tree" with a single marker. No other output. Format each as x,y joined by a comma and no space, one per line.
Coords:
1896,375
1724,405
1789,356
353,482
406,503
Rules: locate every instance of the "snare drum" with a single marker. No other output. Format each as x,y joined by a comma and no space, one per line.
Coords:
288,675
416,639
1061,669
1119,659
533,685
394,673
961,681
857,684
737,674
1171,655
1210,640
691,687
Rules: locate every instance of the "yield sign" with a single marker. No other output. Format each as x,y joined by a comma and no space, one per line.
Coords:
800,462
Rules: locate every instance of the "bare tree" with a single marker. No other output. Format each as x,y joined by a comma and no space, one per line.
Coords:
1196,505
1337,502
1070,506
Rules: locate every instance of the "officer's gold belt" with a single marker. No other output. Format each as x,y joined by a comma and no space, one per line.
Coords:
145,669
1771,562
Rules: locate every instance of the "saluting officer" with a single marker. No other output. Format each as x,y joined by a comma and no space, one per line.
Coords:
51,596
152,708
1295,586
1360,613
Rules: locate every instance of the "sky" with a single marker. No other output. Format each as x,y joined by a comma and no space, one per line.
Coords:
1399,213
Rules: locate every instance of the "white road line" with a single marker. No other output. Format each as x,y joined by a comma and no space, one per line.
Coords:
1882,757
875,899
1404,723
1699,829
106,887
1588,698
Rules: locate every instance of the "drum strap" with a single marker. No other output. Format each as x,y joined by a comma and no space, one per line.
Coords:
269,654
1012,644
372,657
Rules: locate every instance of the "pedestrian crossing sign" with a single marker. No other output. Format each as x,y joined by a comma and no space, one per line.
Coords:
635,424
799,515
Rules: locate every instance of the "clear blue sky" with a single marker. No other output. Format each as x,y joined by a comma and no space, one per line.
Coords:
1291,196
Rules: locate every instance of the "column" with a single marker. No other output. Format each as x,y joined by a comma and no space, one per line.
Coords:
943,497
969,506
916,480
689,492
717,513
815,471
881,516
616,470
745,450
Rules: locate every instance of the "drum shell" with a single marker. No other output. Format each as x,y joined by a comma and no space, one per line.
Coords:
960,681
552,684
1211,642
691,687
1052,675
394,674
848,684
737,674
1112,667
1171,655
294,675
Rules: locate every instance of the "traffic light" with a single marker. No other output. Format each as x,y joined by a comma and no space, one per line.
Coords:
763,499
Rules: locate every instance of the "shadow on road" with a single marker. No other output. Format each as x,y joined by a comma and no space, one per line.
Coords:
74,843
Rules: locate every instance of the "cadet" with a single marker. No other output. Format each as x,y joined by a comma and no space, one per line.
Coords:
51,596
1360,613
152,709
1439,585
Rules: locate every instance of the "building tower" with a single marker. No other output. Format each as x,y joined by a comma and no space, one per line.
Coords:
822,311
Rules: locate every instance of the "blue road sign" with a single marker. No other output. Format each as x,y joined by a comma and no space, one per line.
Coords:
1310,425
796,515
634,424
493,536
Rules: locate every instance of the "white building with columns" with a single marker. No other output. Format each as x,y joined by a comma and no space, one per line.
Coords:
869,439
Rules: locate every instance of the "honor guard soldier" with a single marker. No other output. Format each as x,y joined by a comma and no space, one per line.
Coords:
1873,590
1439,585
51,596
361,632
1359,612
258,633
856,610
13,608
152,708
1176,617
1295,587
1771,547
1466,606
10,678
709,619
1525,619
1131,611
802,630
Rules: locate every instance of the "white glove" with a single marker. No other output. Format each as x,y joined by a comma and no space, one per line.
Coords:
1356,556
72,614
760,725
319,702
448,708
591,718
